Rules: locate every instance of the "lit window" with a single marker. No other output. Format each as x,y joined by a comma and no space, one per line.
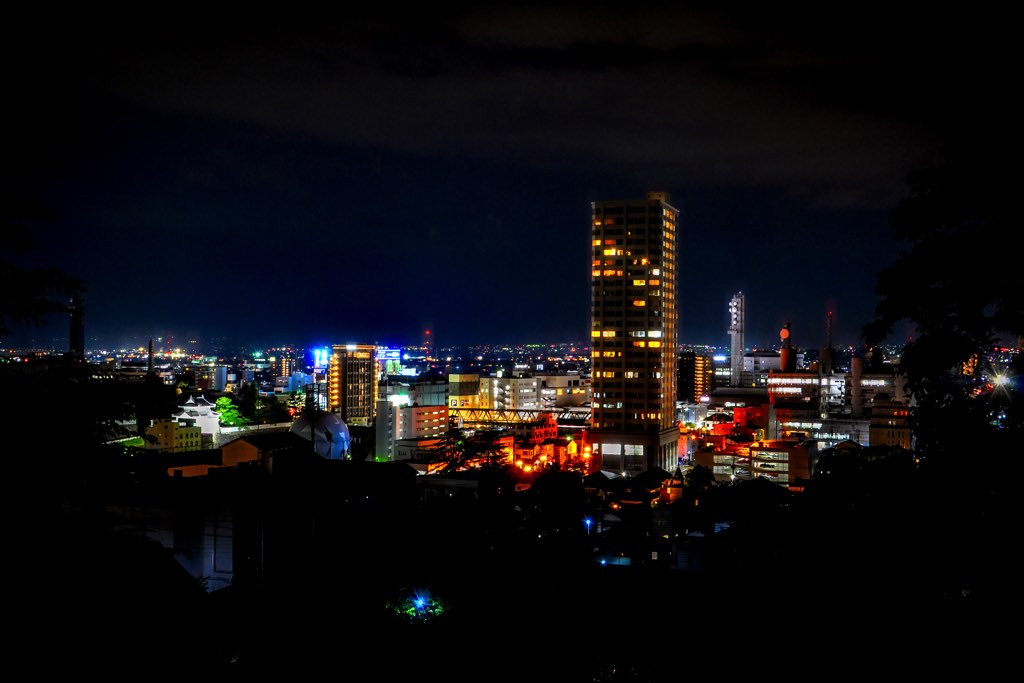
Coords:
595,333
653,333
654,344
597,243
655,271
596,273
650,282
639,302
636,283
608,333
640,344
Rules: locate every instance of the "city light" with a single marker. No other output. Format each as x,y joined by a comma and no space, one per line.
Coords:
417,606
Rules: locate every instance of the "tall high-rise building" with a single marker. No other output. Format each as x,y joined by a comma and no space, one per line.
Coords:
696,376
737,326
352,383
285,364
633,333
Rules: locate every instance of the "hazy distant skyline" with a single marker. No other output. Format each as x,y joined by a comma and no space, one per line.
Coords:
360,180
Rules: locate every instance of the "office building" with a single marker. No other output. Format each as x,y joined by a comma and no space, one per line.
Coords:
397,420
172,436
284,365
463,390
511,393
563,390
696,376
890,423
755,367
634,334
834,407
352,383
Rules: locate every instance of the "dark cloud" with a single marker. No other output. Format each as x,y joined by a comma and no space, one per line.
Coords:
454,155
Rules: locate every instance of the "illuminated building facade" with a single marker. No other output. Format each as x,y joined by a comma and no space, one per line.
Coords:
633,332
890,423
561,391
285,365
424,393
389,361
397,420
783,461
463,390
352,382
210,375
696,376
755,366
172,436
835,407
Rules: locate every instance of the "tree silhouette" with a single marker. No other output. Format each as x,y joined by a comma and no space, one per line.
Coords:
152,399
963,294
247,399
458,450
271,411
28,296
699,478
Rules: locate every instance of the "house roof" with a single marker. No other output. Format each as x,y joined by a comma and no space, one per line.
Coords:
272,441
602,479
653,476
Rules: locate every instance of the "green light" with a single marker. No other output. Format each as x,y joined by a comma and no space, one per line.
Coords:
417,607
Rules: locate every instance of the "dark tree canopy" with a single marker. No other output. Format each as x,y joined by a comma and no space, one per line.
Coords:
28,295
959,282
957,274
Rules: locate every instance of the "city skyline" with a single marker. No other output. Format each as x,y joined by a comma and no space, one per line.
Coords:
364,181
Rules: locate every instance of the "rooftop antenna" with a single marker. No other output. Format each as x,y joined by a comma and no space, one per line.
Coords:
77,338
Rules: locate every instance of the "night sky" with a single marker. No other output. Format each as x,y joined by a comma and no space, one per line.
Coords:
359,180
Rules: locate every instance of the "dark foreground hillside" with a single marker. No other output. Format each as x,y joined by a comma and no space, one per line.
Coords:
838,595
